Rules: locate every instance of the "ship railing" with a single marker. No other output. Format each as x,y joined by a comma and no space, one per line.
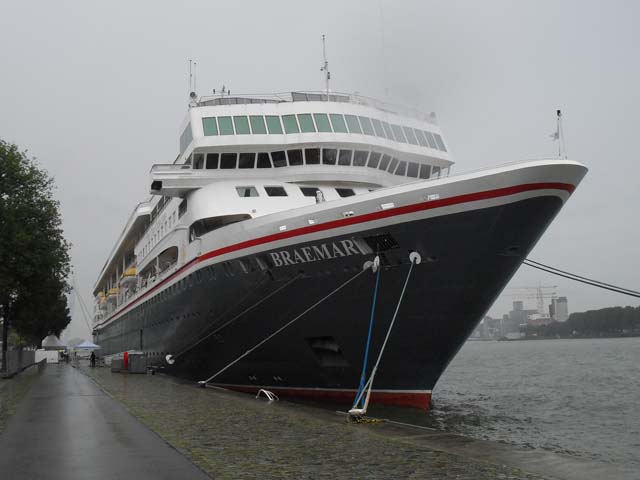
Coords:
314,96
171,168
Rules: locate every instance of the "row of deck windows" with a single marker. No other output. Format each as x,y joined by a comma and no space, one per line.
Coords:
315,156
320,122
276,191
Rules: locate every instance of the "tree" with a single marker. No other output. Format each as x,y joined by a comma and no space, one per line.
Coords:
34,255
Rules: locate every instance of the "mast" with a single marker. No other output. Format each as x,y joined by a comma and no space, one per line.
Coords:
325,66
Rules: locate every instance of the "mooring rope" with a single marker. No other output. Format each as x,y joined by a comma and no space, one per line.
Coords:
368,386
291,322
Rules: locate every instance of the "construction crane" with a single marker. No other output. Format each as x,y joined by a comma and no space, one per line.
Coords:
535,292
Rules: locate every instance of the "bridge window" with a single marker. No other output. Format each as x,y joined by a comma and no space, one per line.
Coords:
257,125
242,125
275,191
377,126
392,166
279,159
411,137
322,122
290,124
430,139
337,121
412,169
345,157
226,125
329,156
439,142
306,123
367,128
247,191
198,161
345,192
384,163
210,126
353,124
228,160
421,138
273,124
295,157
309,191
397,132
263,160
360,158
212,161
374,159
387,130
435,172
247,160
425,171
402,168
312,156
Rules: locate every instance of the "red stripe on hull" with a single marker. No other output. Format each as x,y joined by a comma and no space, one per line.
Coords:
419,400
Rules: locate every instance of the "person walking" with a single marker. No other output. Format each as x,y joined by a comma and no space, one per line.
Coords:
93,359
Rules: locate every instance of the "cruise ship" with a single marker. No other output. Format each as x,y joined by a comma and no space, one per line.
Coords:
292,230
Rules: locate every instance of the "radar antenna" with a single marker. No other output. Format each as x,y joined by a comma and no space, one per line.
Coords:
325,66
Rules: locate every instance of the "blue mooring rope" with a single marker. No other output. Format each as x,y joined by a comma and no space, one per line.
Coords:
366,350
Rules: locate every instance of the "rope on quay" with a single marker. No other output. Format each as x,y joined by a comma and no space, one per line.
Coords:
172,358
356,414
203,383
581,279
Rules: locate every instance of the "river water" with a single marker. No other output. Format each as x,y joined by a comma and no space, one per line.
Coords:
576,397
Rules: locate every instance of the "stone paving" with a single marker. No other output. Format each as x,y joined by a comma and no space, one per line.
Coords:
12,390
233,435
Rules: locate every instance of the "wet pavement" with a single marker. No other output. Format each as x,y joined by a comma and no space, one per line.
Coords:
67,427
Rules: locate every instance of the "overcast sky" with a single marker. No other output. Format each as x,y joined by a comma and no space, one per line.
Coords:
97,90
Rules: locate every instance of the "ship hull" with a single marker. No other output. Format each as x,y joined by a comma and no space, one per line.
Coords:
209,319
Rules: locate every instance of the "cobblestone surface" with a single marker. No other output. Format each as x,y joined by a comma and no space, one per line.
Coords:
233,435
12,390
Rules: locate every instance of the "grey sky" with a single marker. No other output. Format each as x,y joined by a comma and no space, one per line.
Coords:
97,90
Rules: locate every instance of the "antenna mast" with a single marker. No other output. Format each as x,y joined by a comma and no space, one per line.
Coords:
325,66
558,135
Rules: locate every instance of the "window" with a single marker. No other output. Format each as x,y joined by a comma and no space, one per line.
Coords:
273,124
412,169
435,172
263,160
182,208
198,160
338,123
279,159
430,139
212,161
392,165
246,160
247,191
309,191
306,123
226,125
242,125
353,124
312,156
397,132
345,157
360,158
329,156
425,171
295,157
374,159
384,163
345,192
228,160
367,128
257,125
411,137
439,142
276,191
377,126
421,138
322,122
387,131
210,126
290,124
402,169
186,138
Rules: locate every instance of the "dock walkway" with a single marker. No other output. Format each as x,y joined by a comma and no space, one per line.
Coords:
68,428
